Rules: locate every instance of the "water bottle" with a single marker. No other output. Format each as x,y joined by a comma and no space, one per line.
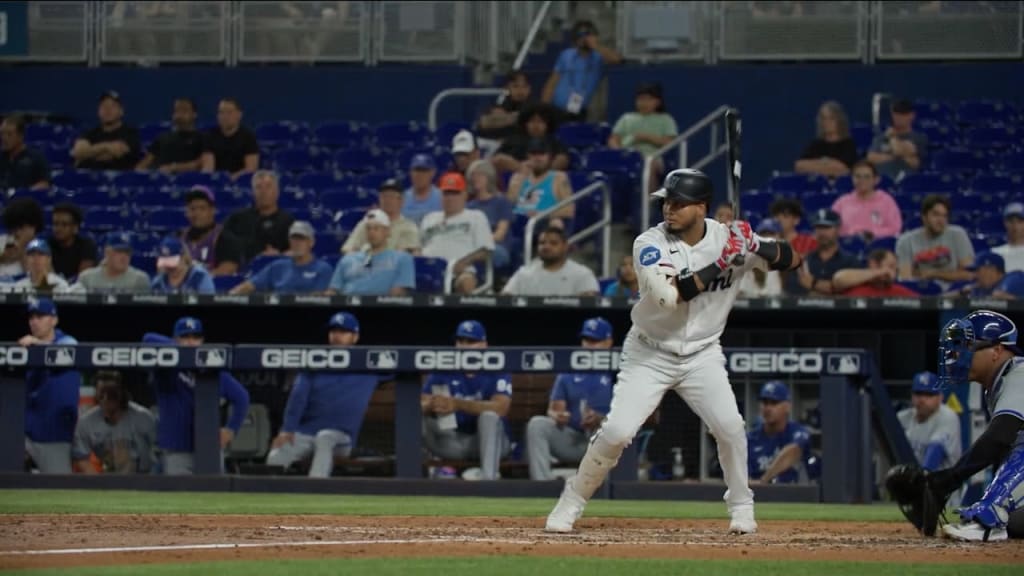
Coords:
678,470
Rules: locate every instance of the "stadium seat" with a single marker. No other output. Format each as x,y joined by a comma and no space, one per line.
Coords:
226,283
940,136
798,184
979,243
339,199
43,197
50,134
166,219
74,179
442,158
327,244
960,161
445,132
156,198
922,287
145,243
189,179
1012,161
359,160
339,134
996,185
933,110
990,224
853,244
928,183
430,274
401,135
582,135
150,132
347,219
282,134
296,160
144,261
817,201
757,202
863,135
972,203
998,137
103,219
297,198
253,439
604,283
58,156
373,180
259,263
881,244
139,180
978,112
94,196
615,161
318,180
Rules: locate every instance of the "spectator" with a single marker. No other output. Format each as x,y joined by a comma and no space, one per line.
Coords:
208,243
816,275
578,72
23,219
230,147
422,197
626,284
300,273
725,213
501,120
877,280
263,227
647,129
763,283
788,212
376,269
464,151
325,410
466,413
932,428
483,182
10,259
1013,251
460,236
39,277
20,166
115,272
867,211
181,149
119,432
112,145
576,408
936,251
51,402
177,273
73,252
833,152
535,122
542,186
404,235
175,398
992,281
899,150
776,446
552,273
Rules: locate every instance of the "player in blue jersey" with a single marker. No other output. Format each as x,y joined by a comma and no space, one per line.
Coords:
932,428
325,409
576,408
776,446
175,399
465,412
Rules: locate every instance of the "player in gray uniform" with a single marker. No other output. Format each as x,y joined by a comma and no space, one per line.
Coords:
121,433
932,428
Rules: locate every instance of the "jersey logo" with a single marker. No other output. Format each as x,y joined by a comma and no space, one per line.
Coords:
723,282
649,255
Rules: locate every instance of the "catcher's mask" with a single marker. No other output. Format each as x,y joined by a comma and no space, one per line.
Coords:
962,337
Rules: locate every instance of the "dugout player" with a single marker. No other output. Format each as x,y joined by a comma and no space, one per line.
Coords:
932,428
479,403
578,404
777,445
121,433
690,269
325,410
175,398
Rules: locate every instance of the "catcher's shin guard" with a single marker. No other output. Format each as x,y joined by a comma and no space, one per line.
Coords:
1004,495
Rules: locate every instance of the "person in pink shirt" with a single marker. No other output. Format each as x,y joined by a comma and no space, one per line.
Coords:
867,211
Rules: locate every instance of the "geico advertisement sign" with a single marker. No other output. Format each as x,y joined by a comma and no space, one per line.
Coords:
143,357
13,356
305,358
595,360
459,360
775,363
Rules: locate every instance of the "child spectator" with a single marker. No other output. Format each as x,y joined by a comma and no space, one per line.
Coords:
647,129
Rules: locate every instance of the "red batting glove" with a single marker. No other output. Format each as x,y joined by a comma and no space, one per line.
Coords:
735,249
742,229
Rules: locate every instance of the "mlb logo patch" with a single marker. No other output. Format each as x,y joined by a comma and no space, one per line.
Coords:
538,361
843,364
60,357
211,357
382,359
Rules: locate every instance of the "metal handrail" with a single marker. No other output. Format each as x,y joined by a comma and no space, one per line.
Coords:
436,102
876,109
603,225
449,275
542,14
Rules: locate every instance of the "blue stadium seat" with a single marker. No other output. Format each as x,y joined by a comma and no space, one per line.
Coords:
984,112
863,135
580,180
853,244
150,132
401,135
340,199
816,201
933,110
58,156
582,135
339,134
96,196
798,184
282,134
359,160
297,199
373,180
347,219
757,202
970,203
445,132
146,243
442,158
979,243
960,160
928,183
43,197
103,219
327,244
990,224
226,283
259,263
881,244
908,203
296,160
430,274
604,283
188,179
575,160
996,185
74,179
57,134
940,136
319,180
615,161
993,137
166,219
923,287
1013,161
156,198
144,262
139,180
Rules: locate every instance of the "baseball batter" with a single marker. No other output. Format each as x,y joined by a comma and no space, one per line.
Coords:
689,268
932,428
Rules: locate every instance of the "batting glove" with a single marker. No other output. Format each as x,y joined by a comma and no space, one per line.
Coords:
742,229
733,253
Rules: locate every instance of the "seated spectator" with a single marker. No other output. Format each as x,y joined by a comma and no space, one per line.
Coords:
39,276
776,446
460,236
23,219
788,212
230,147
263,227
552,273
725,213
833,152
422,197
325,410
938,250
464,151
209,243
501,120
20,166
877,280
900,149
115,272
932,428
576,408
626,284
10,258
376,269
867,211
816,275
301,272
177,273
763,283
112,145
181,149
647,129
483,189
992,281
465,414
404,234
541,186
535,122
73,252
578,72
119,432
1013,251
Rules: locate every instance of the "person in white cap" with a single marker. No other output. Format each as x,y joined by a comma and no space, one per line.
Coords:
464,150
301,273
376,269
404,234
1013,251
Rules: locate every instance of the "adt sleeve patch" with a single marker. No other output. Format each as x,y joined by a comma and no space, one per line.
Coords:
649,255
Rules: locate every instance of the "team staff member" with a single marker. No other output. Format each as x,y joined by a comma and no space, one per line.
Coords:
932,428
776,446
175,397
121,433
300,273
325,409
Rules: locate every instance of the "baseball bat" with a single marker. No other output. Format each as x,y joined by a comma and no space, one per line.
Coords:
733,139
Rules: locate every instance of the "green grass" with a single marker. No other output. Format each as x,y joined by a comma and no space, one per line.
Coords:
516,565
125,502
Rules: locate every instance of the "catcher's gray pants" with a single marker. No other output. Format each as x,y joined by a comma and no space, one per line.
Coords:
489,443
324,447
50,457
546,440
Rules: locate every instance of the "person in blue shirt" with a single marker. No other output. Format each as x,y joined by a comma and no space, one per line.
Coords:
992,281
301,273
578,72
776,446
176,401
422,197
626,284
465,412
178,274
51,395
576,408
325,410
375,270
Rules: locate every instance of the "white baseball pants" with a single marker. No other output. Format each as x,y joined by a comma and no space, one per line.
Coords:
324,447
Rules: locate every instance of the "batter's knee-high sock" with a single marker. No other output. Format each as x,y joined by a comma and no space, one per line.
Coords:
600,458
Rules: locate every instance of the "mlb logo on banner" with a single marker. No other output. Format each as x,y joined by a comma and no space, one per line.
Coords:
382,359
538,361
843,364
60,356
212,357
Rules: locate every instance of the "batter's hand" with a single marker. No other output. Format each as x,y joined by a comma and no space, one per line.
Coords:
733,252
742,229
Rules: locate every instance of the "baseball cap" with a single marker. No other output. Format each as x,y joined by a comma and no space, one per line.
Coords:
596,329
452,181
378,216
118,241
38,246
422,162
902,106
471,330
768,226
343,321
825,217
989,259
1013,209
42,307
301,228
925,383
463,142
390,184
775,390
200,192
169,255
110,95
538,146
188,326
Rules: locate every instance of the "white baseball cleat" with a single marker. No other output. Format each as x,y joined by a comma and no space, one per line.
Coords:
567,511
743,521
974,532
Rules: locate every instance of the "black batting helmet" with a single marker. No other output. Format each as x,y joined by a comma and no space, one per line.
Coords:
687,185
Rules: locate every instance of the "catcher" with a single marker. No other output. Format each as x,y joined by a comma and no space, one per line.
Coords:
980,347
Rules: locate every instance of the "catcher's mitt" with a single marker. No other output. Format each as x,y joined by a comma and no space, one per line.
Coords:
919,501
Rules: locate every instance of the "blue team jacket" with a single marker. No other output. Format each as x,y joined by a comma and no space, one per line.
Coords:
51,400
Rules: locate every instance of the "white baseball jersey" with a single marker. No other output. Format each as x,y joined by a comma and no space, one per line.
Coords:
942,427
689,327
